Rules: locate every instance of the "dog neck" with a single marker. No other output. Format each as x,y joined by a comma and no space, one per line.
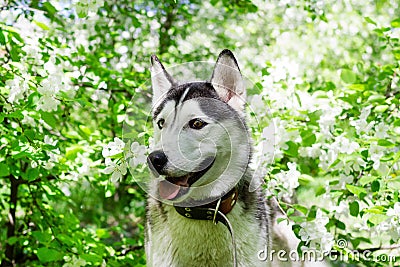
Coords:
212,210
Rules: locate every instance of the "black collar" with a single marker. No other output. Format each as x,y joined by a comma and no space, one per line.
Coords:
211,211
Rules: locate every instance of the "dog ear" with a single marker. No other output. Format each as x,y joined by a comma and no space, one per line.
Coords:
160,79
228,81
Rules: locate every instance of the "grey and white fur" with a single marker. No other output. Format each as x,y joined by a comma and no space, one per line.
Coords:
202,150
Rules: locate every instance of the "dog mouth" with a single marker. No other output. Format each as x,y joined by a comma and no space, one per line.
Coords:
173,187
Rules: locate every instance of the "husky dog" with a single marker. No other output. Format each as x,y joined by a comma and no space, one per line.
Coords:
200,211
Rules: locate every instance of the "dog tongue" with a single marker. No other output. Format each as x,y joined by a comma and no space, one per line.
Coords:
169,190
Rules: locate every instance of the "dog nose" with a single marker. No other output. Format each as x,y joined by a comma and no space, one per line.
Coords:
157,160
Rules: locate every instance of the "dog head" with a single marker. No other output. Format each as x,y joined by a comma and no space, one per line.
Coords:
202,146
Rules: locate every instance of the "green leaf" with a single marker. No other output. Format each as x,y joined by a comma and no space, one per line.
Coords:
384,142
354,208
292,149
30,134
308,138
14,54
102,233
12,240
312,213
16,114
381,108
357,87
357,190
42,237
375,186
367,179
51,10
395,23
33,174
92,258
4,170
377,218
396,54
72,151
2,38
340,225
369,20
301,208
348,76
42,25
48,255
297,219
376,98
86,130
320,191
290,211
82,13
356,241
49,119
279,220
305,179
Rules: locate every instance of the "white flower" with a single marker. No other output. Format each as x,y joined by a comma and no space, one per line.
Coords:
28,31
375,154
327,158
264,150
395,211
18,86
276,135
86,163
313,152
136,155
359,162
117,168
361,124
258,105
28,120
74,262
381,130
51,86
345,146
288,180
47,103
342,209
48,140
293,175
113,148
315,232
54,158
328,119
48,88
345,179
50,65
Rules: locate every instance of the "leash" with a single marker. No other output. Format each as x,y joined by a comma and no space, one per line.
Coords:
218,214
229,226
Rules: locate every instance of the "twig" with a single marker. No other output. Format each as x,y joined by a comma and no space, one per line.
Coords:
10,249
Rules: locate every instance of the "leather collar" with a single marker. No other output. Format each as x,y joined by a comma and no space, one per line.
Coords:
211,211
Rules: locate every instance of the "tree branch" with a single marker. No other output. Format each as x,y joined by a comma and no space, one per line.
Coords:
10,249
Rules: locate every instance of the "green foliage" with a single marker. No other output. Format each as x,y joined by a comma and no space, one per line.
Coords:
70,72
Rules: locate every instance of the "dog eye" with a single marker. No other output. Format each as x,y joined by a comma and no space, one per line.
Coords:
160,123
197,124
